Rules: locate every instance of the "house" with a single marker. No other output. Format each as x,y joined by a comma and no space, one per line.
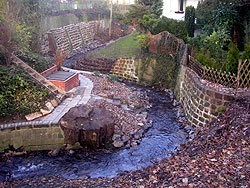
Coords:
176,8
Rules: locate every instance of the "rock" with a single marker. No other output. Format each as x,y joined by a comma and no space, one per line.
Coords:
71,152
49,106
91,127
54,102
116,98
33,116
55,152
118,144
141,124
116,137
134,143
175,103
145,115
116,102
125,107
125,138
45,112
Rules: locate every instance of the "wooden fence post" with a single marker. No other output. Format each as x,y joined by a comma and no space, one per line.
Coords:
238,75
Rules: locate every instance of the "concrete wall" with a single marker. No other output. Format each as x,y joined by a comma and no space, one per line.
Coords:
31,137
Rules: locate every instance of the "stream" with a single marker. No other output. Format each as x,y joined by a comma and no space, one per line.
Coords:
163,137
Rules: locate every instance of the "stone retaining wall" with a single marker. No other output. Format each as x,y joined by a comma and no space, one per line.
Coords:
70,37
31,137
125,68
201,104
122,67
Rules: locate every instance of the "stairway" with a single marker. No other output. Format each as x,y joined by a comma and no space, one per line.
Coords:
37,76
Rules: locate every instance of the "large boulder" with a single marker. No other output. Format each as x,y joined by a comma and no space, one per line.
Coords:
91,127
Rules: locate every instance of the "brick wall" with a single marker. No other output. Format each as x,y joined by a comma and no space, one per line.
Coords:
32,137
200,103
68,84
49,71
125,68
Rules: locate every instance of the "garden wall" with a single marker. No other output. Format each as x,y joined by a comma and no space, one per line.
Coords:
126,68
123,67
201,104
31,137
70,37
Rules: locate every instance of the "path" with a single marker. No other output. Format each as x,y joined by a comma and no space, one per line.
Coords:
81,96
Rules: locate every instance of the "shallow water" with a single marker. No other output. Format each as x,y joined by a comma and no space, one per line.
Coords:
161,139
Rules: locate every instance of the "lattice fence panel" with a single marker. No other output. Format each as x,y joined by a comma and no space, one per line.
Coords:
196,66
244,74
217,76
226,79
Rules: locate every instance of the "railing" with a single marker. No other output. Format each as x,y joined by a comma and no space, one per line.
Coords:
227,79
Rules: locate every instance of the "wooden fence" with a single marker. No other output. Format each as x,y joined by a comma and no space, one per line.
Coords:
227,79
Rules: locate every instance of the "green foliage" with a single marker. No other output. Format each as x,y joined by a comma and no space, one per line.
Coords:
190,20
232,58
209,49
205,58
226,17
35,60
173,26
136,12
19,95
165,70
97,73
205,12
112,78
125,47
149,22
142,40
84,18
156,6
246,53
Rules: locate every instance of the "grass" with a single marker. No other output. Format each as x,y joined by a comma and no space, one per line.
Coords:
125,47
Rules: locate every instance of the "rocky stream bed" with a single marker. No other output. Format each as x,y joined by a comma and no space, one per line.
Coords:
146,131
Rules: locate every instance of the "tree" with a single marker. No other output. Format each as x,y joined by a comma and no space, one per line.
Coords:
149,22
156,6
190,20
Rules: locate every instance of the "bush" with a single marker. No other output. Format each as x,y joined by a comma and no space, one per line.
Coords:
246,53
175,27
35,60
190,20
112,78
19,95
233,56
142,40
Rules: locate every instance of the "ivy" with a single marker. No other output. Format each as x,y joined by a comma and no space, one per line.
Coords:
165,70
19,95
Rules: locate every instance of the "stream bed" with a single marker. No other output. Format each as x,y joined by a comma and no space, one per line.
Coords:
164,137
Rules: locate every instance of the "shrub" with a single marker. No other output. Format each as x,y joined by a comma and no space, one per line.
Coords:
246,53
190,20
97,73
142,40
175,27
19,95
112,77
233,56
35,60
